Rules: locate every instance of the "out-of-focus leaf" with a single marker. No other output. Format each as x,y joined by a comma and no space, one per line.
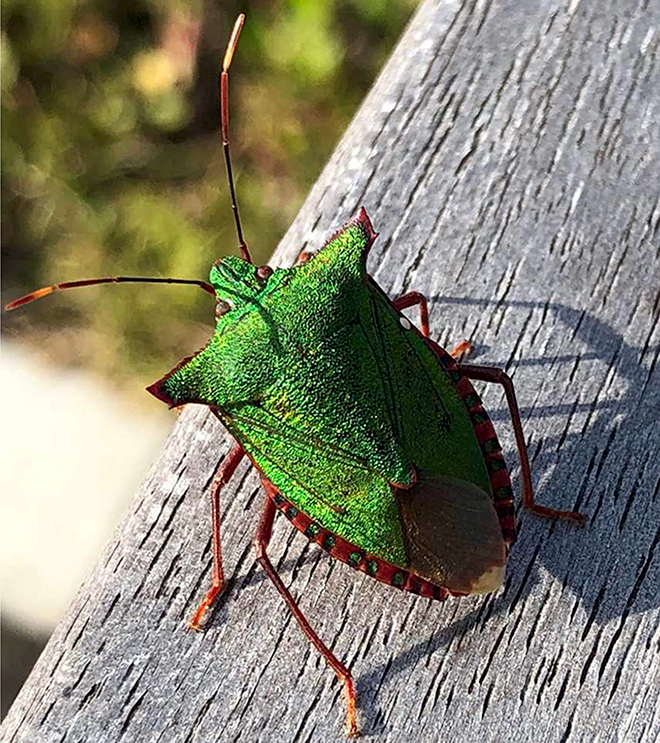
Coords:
112,162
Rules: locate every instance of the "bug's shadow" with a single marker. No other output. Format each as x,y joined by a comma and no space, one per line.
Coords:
608,565
589,466
600,463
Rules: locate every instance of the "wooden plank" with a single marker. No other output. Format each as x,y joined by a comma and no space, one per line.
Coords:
509,156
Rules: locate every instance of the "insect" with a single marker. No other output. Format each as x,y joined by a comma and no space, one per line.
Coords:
368,436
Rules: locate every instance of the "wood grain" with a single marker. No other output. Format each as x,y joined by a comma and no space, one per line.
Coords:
509,157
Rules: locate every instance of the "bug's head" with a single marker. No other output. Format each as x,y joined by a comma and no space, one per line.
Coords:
266,320
237,362
237,285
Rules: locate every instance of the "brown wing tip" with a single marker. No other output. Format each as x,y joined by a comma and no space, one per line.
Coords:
490,580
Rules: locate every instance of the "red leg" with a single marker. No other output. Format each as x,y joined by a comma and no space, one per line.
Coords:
261,541
499,376
304,257
222,477
413,298
410,300
461,350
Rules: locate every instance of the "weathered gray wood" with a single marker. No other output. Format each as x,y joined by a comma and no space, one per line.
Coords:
509,156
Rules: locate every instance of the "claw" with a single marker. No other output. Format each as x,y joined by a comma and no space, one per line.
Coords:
352,729
198,622
463,349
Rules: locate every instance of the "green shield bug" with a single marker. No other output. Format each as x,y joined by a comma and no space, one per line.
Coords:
367,435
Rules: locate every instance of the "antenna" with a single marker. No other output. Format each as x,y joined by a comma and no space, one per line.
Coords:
245,253
224,125
46,290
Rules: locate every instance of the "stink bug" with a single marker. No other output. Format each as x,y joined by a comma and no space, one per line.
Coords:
368,436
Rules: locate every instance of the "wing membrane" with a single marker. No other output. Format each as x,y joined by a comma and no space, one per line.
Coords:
452,534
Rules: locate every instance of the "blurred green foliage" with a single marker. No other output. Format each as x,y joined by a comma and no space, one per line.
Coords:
111,159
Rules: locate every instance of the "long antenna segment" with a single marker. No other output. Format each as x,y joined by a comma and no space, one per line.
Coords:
245,253
46,290
224,125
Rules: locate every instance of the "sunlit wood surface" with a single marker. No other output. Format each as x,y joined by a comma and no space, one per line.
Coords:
509,157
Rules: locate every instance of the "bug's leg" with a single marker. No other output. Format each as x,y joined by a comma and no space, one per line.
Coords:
222,477
499,376
304,257
410,300
461,350
415,298
261,541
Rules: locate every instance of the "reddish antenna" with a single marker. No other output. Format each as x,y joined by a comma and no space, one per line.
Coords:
245,253
46,290
224,126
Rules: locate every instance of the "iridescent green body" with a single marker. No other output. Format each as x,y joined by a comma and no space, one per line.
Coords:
338,402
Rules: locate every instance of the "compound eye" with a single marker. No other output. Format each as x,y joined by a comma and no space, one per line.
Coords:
221,309
264,273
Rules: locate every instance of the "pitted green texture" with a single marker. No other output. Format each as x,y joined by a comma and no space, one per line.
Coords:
333,399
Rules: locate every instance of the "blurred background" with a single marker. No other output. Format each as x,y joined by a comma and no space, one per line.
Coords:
112,164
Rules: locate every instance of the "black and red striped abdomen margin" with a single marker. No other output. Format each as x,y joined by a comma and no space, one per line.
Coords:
498,474
382,570
354,556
